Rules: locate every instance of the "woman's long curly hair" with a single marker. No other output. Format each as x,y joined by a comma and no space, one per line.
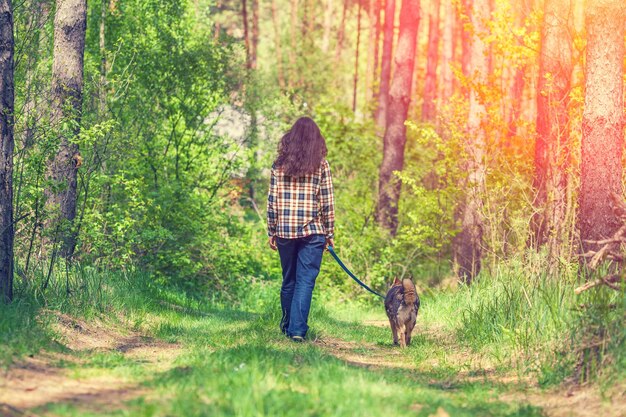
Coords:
302,149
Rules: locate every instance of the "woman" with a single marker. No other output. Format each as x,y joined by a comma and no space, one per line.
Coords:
300,219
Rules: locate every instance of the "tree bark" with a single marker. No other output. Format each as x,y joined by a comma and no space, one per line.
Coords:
552,147
7,107
341,33
603,120
466,35
246,33
468,243
70,23
385,65
447,77
430,86
395,133
356,59
255,34
376,52
293,70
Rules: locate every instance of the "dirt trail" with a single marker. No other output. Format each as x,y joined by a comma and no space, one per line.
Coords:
39,380
574,401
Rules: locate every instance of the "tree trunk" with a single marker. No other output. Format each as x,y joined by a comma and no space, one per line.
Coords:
255,34
395,132
356,59
7,46
468,243
103,56
341,33
385,65
430,86
447,77
603,120
246,33
552,147
70,23
279,51
466,35
376,52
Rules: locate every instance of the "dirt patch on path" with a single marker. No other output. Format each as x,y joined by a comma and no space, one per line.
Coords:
40,380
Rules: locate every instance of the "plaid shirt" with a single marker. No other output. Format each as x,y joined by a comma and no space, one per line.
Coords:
301,206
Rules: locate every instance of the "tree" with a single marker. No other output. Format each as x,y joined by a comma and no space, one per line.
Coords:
279,53
447,55
395,131
603,120
468,243
70,23
385,63
430,87
552,147
7,97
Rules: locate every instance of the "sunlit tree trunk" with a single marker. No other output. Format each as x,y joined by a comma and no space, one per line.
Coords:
430,86
385,64
356,59
254,44
447,54
341,33
603,120
468,243
278,43
395,132
70,23
376,51
246,33
465,34
7,96
552,147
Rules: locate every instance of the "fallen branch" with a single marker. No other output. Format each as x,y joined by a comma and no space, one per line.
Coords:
609,281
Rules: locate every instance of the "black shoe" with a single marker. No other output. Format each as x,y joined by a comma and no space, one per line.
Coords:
297,339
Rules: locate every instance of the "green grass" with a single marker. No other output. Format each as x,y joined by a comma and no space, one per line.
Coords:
233,361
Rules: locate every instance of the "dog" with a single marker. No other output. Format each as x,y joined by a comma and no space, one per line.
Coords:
402,304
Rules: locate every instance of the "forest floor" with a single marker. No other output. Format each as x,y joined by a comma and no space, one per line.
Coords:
228,362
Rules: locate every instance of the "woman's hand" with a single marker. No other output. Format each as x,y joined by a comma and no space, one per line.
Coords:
272,242
330,242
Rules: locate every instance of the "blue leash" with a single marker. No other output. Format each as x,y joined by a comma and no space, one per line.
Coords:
345,268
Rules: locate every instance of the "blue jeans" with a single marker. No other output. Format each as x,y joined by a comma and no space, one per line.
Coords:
300,259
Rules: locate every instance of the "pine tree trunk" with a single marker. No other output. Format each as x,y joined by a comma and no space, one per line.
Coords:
7,96
103,56
385,65
255,34
341,34
552,146
395,133
603,120
356,59
376,52
246,33
468,243
447,77
70,23
466,35
430,86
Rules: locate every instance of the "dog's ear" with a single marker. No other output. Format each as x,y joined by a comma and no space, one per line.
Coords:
396,281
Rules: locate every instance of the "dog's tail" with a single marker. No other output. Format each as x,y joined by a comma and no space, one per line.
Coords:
409,291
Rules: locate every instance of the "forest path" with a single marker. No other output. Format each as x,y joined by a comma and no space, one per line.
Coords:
109,370
573,401
56,377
